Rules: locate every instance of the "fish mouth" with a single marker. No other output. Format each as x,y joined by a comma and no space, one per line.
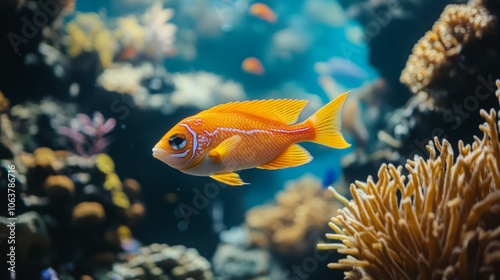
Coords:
160,154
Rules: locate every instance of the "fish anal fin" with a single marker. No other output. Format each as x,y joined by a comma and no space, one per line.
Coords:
224,148
284,110
229,178
295,155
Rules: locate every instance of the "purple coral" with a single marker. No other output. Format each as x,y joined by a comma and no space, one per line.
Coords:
88,135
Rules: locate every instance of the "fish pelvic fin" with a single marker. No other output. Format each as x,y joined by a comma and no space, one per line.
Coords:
224,148
327,122
229,178
295,155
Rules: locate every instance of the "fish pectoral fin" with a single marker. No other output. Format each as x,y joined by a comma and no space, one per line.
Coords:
224,148
295,155
229,178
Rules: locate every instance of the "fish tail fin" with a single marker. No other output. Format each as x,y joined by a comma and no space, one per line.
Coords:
327,121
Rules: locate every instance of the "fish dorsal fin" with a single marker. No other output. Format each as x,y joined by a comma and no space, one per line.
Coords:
284,110
295,155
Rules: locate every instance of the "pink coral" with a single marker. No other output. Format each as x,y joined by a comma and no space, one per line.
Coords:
88,135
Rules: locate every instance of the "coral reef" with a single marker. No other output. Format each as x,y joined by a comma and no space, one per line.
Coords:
74,203
440,224
160,34
124,78
152,37
88,32
451,73
231,262
199,89
384,20
399,127
288,226
83,197
35,245
60,173
204,90
35,123
445,64
26,27
160,261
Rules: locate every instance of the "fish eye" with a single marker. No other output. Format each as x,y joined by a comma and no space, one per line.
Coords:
177,141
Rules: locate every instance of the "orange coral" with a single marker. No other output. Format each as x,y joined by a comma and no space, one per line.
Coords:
59,186
440,59
299,210
88,214
441,223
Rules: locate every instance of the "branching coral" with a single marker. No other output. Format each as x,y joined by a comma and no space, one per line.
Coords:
87,32
199,89
287,226
441,223
204,90
88,135
124,78
160,34
459,48
152,37
130,33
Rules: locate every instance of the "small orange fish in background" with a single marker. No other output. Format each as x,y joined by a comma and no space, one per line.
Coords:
253,66
128,53
263,11
242,135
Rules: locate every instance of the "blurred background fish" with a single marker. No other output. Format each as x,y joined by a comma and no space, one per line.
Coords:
343,70
252,65
263,11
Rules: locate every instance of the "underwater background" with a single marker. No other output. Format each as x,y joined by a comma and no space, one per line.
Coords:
87,88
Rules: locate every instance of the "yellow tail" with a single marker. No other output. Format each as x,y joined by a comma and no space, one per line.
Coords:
327,121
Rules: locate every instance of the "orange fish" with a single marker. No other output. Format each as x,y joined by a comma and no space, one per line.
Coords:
242,135
263,11
253,66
